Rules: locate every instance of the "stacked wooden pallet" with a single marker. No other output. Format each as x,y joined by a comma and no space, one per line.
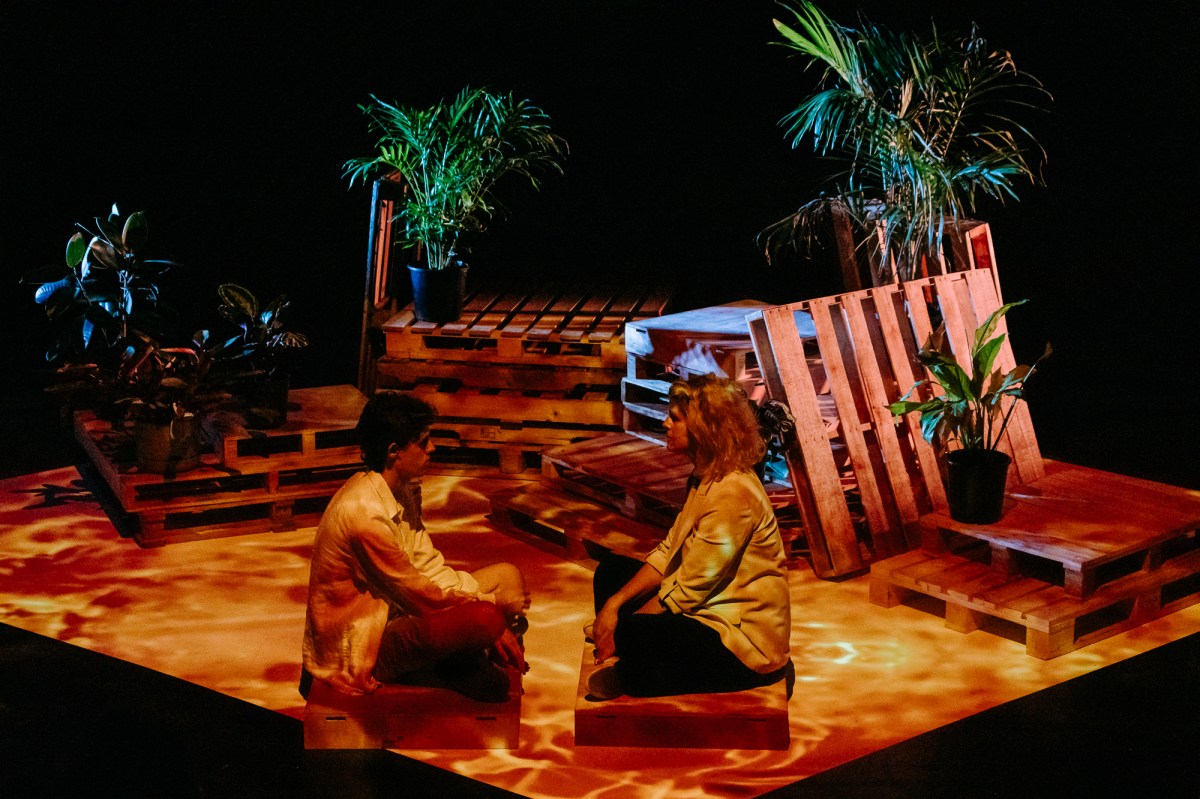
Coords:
1079,556
521,370
251,481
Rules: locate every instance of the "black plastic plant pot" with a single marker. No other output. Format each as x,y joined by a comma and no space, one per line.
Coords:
975,484
438,293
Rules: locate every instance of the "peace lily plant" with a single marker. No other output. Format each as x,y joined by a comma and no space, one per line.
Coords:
967,409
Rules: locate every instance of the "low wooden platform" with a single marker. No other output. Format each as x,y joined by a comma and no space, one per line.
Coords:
569,526
754,719
410,717
1078,556
274,481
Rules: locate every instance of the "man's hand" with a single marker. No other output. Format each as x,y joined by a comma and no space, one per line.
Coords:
508,652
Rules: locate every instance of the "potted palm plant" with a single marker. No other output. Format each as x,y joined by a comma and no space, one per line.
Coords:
970,413
450,157
927,126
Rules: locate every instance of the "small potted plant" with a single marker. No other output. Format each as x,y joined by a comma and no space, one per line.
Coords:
450,157
259,353
166,392
968,416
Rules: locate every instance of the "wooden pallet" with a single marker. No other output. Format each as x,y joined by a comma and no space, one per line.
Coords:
753,719
395,373
411,717
570,526
642,480
320,430
274,488
1078,556
1055,622
867,342
549,325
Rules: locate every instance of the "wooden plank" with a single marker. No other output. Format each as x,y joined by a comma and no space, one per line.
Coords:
528,312
548,323
497,314
586,315
832,540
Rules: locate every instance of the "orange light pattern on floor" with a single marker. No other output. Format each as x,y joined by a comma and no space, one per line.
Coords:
228,614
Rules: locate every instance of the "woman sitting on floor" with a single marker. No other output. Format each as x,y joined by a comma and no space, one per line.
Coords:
708,611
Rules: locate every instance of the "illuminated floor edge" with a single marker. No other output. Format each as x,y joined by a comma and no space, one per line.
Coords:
226,614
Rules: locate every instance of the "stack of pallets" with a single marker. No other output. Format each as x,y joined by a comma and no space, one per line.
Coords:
521,370
251,481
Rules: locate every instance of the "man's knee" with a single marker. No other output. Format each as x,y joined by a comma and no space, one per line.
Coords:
482,620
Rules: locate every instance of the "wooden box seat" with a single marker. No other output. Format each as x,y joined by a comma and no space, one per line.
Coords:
754,719
410,717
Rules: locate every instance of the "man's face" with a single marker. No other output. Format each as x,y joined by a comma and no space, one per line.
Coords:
412,460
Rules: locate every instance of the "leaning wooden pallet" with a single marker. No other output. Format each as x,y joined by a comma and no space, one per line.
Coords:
1079,554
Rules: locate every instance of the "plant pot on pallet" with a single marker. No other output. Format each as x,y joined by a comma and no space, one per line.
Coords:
438,293
169,448
975,480
265,401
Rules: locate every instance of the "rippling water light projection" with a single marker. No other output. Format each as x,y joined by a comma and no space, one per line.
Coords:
228,614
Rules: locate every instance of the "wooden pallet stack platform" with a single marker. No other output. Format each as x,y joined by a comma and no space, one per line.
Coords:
1078,556
521,370
251,481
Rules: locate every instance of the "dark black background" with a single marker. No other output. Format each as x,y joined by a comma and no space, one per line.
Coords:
228,122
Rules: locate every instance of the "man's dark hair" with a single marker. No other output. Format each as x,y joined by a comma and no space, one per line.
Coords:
391,418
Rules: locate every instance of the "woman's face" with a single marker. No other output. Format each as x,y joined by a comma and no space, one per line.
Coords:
677,432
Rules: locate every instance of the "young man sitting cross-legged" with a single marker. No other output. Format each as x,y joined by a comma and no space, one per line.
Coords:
383,605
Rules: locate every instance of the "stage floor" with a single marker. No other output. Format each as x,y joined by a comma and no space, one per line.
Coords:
228,614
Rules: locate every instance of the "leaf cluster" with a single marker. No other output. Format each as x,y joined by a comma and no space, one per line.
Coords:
926,125
451,156
967,407
263,334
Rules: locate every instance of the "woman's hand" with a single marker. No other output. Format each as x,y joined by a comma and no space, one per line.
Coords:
602,632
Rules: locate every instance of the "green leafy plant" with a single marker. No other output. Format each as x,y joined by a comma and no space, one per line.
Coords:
927,126
968,408
264,336
105,294
451,156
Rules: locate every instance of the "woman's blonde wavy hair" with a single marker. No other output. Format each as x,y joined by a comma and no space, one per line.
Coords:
722,427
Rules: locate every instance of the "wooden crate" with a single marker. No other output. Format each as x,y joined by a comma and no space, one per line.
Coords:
411,717
550,325
753,719
715,339
272,488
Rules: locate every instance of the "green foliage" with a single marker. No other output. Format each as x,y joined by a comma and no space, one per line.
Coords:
927,126
451,155
264,334
105,297
968,407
